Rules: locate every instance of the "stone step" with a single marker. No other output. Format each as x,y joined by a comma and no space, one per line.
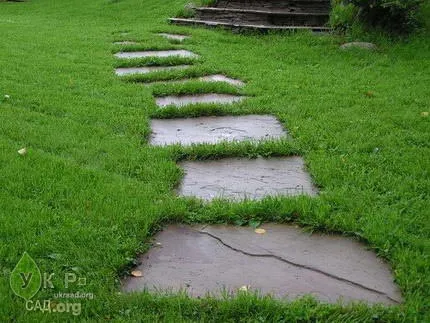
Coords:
121,71
208,98
156,53
240,26
286,5
213,130
282,261
261,17
240,178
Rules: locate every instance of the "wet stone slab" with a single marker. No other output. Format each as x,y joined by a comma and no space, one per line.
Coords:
209,98
156,53
148,69
213,130
177,37
284,262
240,178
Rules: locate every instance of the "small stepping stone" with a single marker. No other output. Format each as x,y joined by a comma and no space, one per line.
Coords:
240,178
282,261
156,53
125,42
183,100
221,78
147,69
213,130
207,78
362,45
173,36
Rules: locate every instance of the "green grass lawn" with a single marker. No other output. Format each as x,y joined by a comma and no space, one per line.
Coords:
90,192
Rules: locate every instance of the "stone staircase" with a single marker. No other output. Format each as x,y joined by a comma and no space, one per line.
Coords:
262,15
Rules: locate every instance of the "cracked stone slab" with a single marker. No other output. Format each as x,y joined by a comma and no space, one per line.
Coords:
148,69
182,100
213,130
283,262
178,37
241,178
156,53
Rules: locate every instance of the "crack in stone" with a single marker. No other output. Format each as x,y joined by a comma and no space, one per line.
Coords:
298,265
228,128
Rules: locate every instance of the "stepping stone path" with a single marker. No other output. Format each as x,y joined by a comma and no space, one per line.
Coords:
182,100
274,259
240,178
148,69
213,130
283,262
173,36
156,53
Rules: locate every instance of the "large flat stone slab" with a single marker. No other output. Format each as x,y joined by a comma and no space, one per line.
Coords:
177,37
283,262
182,100
156,53
213,130
240,178
147,69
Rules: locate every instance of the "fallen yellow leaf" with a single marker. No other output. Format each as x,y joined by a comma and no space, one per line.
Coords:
260,231
22,151
244,288
136,273
424,114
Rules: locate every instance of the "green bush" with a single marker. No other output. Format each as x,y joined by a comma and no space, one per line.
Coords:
400,16
343,16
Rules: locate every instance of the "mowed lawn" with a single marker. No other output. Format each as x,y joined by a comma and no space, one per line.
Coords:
90,192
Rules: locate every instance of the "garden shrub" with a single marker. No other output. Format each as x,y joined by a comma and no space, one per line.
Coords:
399,16
343,15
